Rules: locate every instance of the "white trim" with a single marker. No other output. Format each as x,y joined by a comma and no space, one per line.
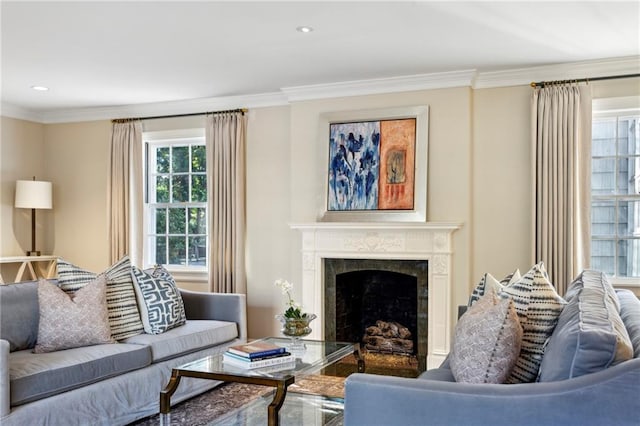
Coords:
380,85
568,71
286,95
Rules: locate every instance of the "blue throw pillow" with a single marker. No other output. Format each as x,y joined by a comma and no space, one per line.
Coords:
590,335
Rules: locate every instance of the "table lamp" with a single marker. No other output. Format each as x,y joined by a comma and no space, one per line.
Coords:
33,194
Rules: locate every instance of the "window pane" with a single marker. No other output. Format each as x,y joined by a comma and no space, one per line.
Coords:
628,143
161,250
603,176
162,189
180,159
162,160
603,138
198,159
603,214
603,256
629,218
177,221
626,179
177,250
180,188
199,188
629,258
198,251
161,221
197,221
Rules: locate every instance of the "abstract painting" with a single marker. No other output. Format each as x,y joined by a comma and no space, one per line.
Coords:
372,165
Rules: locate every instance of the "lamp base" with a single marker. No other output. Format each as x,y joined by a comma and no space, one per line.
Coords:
33,253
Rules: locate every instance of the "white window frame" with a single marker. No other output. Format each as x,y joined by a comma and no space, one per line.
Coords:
608,108
192,273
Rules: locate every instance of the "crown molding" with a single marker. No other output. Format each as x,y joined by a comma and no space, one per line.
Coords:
287,95
14,111
380,85
568,71
191,106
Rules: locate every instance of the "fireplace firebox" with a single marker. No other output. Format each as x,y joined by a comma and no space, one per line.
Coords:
362,295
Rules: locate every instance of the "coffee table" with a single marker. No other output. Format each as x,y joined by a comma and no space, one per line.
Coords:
317,355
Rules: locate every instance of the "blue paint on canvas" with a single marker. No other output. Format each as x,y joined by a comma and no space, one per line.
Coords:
354,165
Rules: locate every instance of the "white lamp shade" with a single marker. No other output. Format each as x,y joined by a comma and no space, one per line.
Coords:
33,194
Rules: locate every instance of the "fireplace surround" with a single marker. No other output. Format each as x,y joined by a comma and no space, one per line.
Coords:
428,241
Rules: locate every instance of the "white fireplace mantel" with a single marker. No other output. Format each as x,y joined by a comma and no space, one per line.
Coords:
429,241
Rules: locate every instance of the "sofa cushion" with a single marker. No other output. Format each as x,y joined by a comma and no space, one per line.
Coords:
630,314
67,322
19,315
124,317
159,300
38,376
590,335
190,337
487,341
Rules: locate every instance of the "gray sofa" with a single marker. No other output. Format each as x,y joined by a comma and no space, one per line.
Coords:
110,384
579,391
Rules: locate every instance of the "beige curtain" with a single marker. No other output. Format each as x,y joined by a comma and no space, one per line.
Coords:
225,139
124,202
561,133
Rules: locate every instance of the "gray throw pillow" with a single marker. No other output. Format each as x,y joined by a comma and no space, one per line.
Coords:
67,322
487,341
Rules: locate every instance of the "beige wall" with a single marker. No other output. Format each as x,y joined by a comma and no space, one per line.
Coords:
21,148
77,158
479,175
501,182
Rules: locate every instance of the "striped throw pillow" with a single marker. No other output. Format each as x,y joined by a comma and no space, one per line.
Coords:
489,281
124,317
538,306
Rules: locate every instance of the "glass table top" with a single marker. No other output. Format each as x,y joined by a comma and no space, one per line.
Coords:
314,357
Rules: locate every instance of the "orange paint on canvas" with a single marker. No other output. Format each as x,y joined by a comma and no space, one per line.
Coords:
397,164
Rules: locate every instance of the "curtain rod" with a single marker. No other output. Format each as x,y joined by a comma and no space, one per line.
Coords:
125,120
583,80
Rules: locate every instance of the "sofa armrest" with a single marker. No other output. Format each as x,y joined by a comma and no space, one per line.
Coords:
230,307
5,391
606,397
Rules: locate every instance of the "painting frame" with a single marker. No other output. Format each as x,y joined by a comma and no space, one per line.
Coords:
333,120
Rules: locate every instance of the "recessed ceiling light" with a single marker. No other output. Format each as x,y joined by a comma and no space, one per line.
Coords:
304,29
40,88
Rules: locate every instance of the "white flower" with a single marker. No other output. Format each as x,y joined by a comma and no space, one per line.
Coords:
284,285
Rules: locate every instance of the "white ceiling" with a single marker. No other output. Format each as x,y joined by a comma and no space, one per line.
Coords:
108,54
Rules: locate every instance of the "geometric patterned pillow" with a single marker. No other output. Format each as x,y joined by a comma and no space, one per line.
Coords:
159,300
538,306
124,317
67,322
487,341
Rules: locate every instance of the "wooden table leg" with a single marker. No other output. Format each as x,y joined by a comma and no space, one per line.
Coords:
274,407
165,394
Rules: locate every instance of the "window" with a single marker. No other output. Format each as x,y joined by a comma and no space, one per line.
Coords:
176,208
615,192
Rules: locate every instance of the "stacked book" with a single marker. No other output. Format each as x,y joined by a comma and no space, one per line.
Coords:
257,355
